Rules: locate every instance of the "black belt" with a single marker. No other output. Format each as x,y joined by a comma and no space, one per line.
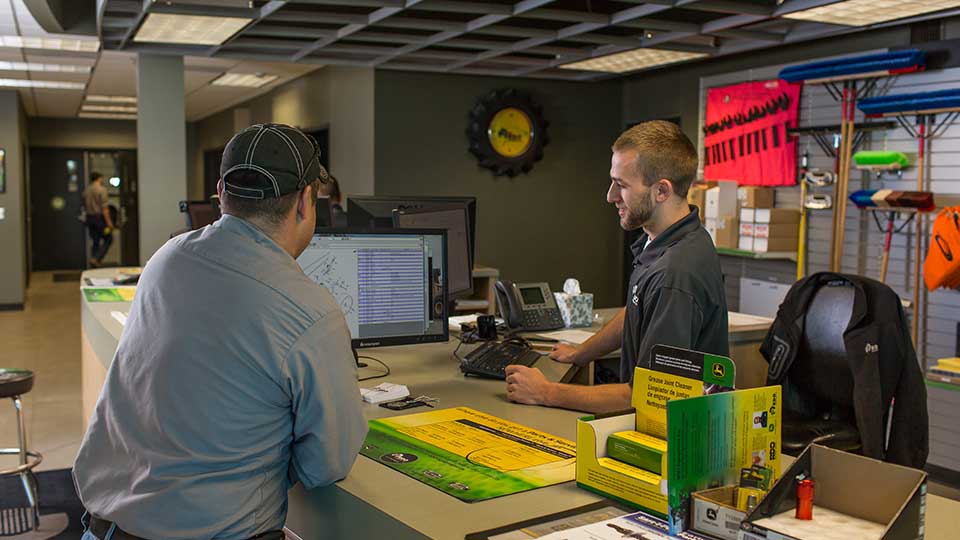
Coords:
100,527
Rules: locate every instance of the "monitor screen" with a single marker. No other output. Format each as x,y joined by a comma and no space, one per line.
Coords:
377,212
391,284
201,213
324,213
453,219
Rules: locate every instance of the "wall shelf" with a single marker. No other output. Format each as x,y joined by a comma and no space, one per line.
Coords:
770,255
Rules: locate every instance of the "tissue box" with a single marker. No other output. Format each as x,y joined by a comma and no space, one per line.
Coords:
575,309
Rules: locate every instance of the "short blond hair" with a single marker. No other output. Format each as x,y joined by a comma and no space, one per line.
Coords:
663,151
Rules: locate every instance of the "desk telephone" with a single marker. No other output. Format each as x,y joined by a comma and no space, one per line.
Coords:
528,306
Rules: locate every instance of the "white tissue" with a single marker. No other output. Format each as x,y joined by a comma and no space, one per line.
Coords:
571,286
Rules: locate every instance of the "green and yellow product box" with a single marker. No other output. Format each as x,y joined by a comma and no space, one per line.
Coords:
639,449
710,437
676,374
631,471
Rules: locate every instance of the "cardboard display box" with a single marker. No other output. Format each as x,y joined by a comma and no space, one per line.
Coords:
723,231
721,201
715,512
745,243
854,497
755,197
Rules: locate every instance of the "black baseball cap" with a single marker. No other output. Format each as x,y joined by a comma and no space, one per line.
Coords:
286,158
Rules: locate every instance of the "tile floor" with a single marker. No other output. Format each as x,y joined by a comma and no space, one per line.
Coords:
45,338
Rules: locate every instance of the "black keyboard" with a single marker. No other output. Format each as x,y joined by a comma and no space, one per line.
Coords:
492,358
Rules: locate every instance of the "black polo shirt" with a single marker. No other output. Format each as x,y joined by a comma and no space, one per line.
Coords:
675,296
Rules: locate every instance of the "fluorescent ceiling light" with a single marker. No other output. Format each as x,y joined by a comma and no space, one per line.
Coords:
50,43
108,116
633,60
55,85
111,99
108,108
245,80
49,68
188,29
865,12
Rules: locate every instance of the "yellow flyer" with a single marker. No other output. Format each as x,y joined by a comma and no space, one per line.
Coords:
470,455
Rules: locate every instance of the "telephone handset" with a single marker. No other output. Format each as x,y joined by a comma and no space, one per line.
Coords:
528,306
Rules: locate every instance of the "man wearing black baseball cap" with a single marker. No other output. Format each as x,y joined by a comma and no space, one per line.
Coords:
234,377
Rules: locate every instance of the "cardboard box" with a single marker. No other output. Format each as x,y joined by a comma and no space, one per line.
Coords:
747,215
755,197
640,450
776,230
766,245
715,512
746,229
776,215
723,231
745,243
721,201
854,497
610,477
697,196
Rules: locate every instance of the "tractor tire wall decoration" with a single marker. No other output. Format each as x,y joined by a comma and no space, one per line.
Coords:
507,132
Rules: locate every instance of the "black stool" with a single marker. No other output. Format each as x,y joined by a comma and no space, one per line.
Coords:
13,384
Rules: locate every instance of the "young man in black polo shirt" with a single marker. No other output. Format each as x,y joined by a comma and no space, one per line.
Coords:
675,295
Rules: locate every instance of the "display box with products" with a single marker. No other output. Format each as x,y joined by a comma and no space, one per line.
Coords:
853,497
723,231
755,197
721,201
682,389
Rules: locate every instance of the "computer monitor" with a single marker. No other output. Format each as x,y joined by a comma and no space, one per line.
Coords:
200,213
453,218
391,284
377,211
324,213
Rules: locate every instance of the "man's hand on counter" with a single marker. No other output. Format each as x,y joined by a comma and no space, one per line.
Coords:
566,354
527,385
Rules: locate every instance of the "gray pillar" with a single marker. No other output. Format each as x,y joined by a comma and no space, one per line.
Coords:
161,149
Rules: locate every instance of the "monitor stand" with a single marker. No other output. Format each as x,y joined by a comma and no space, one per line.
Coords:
356,359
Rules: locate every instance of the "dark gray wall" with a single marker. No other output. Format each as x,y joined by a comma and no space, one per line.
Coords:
13,140
82,133
547,225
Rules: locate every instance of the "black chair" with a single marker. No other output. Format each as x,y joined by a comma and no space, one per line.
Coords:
818,394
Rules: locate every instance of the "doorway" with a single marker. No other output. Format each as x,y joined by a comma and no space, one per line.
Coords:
58,177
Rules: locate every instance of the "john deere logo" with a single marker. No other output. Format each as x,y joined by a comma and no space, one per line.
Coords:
718,370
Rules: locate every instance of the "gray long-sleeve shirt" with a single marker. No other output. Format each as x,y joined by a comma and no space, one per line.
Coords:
234,376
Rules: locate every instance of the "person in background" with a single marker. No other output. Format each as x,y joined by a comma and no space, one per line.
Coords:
234,378
675,295
96,204
332,190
